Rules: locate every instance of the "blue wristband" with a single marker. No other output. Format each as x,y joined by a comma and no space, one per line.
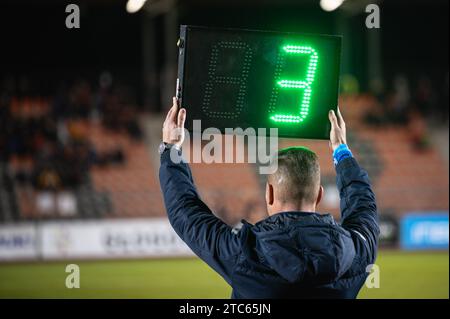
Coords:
341,152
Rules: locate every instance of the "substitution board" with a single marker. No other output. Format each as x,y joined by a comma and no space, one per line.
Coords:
230,78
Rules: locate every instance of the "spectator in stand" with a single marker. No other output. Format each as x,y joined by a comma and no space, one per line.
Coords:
82,99
426,97
395,108
418,131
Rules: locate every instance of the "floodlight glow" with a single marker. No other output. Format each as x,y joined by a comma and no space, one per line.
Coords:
135,5
330,5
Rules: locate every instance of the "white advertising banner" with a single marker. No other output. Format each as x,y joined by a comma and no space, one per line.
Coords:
111,239
18,242
121,238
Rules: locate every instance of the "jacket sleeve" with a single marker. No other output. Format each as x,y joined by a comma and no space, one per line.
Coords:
358,208
208,237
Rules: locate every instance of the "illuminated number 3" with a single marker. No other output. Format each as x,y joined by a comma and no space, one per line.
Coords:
304,85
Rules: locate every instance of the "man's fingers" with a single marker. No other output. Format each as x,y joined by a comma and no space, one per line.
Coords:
181,118
173,111
341,119
168,114
333,119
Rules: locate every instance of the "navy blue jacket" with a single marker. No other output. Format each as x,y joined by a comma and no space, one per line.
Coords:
289,254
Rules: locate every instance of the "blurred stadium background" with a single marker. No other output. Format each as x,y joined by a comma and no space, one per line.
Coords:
80,121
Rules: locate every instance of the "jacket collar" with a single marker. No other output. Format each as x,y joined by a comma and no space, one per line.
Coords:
285,218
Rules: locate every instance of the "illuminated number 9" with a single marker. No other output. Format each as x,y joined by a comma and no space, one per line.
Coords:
214,79
304,85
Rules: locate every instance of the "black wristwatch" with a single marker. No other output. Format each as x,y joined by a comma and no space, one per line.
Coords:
166,146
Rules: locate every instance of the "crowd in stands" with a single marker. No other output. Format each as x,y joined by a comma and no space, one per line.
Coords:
45,147
410,105
47,131
43,136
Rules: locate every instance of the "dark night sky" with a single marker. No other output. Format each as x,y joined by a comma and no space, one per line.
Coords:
34,39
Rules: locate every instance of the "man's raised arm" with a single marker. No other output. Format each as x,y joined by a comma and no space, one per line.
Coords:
358,206
208,237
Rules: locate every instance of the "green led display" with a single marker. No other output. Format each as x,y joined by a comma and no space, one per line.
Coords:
304,84
233,78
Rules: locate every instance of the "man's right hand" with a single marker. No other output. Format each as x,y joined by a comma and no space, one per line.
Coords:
337,133
173,127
